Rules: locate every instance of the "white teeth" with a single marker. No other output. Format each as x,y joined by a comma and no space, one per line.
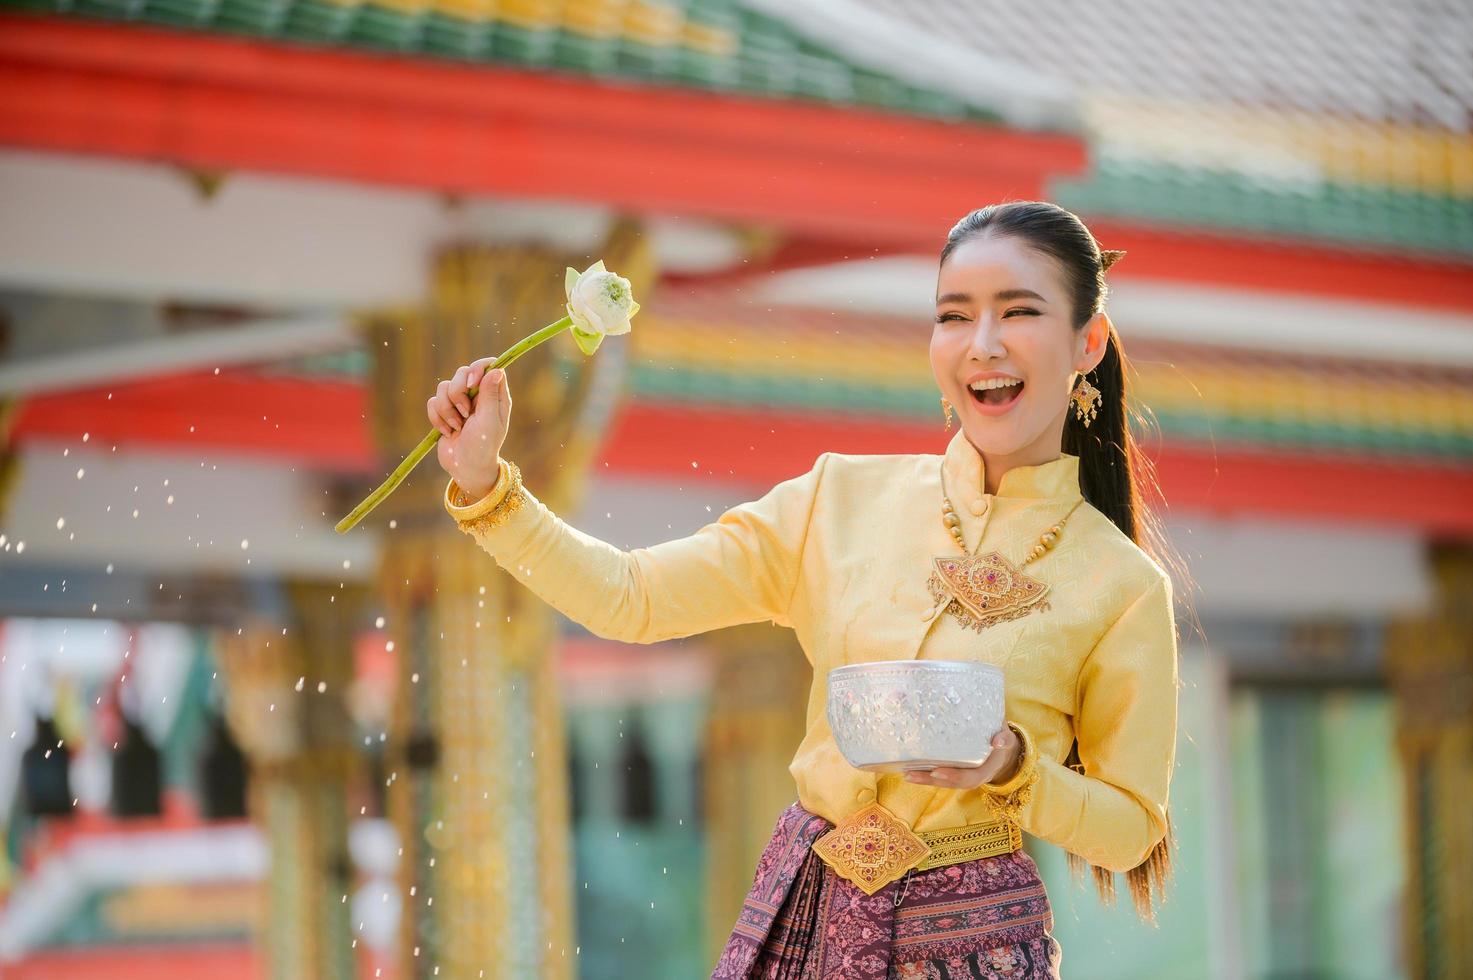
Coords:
995,383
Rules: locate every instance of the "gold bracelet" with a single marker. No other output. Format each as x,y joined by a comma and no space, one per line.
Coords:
1018,790
511,501
463,506
462,499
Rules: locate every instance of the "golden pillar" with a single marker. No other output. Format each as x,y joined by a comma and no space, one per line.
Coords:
1430,661
9,457
478,783
9,479
759,697
286,688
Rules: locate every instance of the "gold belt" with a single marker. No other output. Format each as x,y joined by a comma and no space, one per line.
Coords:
873,847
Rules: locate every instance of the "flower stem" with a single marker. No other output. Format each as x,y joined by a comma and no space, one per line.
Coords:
428,442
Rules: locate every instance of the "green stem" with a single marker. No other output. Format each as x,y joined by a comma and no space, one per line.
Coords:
428,442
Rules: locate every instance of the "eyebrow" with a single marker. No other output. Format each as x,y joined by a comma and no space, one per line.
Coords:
1000,297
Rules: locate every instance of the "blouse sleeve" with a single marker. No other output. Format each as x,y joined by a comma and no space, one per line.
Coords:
741,568
1113,812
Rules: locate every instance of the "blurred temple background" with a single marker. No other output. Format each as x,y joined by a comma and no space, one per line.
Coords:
241,240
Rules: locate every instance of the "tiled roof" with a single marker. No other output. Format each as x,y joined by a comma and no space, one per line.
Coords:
722,45
1349,120
790,357
787,358
1372,60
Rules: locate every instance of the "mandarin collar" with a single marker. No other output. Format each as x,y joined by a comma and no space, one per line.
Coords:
965,469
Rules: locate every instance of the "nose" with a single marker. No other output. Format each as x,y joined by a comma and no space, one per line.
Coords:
986,341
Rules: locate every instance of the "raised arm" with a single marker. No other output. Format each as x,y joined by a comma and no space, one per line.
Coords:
1114,812
741,568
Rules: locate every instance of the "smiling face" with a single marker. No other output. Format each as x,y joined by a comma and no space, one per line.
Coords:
1003,313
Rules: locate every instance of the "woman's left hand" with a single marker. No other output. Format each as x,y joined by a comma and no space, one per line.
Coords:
1001,765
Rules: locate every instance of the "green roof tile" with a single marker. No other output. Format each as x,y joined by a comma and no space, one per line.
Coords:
1353,216
765,58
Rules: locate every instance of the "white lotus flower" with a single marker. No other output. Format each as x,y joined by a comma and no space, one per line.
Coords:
600,303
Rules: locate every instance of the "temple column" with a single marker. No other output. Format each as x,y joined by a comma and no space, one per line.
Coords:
1430,662
759,696
286,684
476,756
9,480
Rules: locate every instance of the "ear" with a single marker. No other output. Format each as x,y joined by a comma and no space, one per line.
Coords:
1093,340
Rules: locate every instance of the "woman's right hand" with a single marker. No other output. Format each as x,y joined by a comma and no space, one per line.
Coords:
472,427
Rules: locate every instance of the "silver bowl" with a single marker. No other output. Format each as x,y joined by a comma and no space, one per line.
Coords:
896,715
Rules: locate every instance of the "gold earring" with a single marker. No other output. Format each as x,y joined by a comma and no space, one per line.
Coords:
946,405
1086,398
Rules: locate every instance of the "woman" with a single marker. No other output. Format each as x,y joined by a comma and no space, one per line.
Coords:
1020,546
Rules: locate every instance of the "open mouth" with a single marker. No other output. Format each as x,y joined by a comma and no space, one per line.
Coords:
1000,397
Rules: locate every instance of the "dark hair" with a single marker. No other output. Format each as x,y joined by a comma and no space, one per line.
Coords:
1112,471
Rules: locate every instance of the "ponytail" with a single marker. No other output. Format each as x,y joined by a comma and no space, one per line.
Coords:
1112,470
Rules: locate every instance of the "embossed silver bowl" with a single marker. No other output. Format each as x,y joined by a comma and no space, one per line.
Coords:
895,715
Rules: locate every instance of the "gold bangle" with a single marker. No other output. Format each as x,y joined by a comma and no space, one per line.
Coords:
1008,799
462,508
500,511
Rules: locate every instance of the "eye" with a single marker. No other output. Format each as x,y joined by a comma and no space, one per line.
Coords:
1021,309
949,316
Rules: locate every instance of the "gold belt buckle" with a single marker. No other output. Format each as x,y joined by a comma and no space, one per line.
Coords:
871,848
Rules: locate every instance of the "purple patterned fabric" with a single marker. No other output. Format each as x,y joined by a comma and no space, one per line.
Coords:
987,919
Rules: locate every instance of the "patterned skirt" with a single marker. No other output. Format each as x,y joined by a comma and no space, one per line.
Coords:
986,919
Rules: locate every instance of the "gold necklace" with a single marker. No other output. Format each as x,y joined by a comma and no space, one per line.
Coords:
988,589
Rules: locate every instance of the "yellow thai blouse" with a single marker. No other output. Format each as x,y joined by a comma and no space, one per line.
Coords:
841,554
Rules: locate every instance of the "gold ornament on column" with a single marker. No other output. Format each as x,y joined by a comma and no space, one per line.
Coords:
1429,662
